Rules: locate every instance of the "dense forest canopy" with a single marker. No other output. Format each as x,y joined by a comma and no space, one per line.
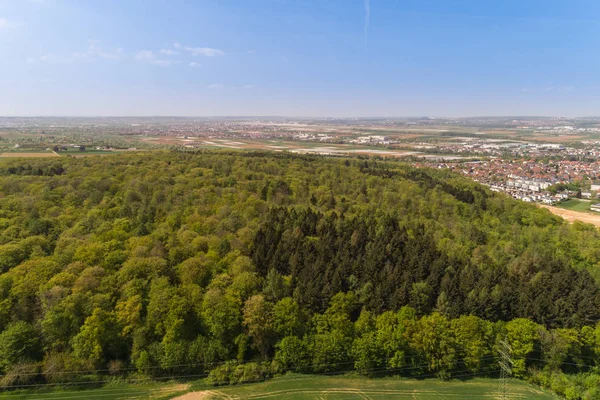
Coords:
167,262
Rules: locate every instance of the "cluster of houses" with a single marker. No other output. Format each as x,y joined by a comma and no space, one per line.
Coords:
322,137
530,193
529,180
372,139
533,190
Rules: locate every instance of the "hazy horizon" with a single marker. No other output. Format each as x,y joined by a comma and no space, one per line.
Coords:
400,117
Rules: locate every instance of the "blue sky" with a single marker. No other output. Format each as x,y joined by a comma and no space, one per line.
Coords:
300,57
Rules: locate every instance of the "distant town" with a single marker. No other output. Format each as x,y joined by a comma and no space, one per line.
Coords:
532,181
534,159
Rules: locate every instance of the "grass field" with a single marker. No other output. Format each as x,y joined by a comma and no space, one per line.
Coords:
299,387
147,390
576,205
302,387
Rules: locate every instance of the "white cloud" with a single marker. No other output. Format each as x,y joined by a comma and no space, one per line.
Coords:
559,88
204,51
5,24
251,51
49,57
144,55
216,86
150,57
94,51
199,51
194,64
248,86
168,52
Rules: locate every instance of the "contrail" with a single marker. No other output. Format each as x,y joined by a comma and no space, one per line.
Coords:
367,20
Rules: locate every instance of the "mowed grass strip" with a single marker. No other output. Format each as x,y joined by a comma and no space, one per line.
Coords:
305,387
578,205
147,390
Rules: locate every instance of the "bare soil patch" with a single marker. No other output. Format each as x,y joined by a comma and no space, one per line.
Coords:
406,135
500,132
571,215
203,395
558,139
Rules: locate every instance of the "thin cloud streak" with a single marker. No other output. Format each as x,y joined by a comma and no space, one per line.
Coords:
199,51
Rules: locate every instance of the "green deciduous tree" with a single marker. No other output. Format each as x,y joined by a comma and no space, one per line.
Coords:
19,342
523,337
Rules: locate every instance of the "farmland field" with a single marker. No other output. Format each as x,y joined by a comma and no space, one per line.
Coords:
28,154
302,147
301,387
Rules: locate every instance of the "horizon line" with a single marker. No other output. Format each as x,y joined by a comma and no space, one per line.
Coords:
298,117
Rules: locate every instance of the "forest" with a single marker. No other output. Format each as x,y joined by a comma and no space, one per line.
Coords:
238,266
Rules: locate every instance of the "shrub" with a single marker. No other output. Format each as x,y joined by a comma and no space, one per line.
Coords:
24,373
222,374
116,367
64,367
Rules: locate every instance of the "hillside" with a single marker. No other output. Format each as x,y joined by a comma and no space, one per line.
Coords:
247,265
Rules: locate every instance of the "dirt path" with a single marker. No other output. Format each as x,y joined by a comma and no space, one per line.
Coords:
571,215
204,395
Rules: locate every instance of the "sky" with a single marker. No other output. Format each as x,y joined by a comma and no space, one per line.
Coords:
337,58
